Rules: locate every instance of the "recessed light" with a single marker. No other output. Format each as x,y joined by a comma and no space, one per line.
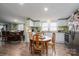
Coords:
45,9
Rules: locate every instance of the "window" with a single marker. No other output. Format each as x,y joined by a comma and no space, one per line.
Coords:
49,27
45,27
20,27
53,27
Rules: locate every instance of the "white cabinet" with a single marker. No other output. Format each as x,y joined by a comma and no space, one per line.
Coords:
30,23
62,22
20,27
33,23
59,37
37,24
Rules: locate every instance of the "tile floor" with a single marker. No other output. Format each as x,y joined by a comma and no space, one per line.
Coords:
22,49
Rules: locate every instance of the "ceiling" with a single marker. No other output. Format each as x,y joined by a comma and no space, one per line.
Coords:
11,11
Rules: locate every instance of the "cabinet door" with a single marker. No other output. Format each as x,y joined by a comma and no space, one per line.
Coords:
37,24
29,23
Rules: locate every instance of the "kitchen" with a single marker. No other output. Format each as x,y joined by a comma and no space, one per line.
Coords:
47,18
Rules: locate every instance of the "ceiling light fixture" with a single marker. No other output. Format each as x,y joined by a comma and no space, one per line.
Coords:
45,9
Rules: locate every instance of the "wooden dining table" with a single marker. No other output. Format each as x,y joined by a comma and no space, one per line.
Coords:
45,40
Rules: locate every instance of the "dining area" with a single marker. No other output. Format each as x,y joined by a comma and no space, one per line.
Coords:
39,43
37,29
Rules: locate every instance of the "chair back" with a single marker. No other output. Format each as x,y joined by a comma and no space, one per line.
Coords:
53,37
36,38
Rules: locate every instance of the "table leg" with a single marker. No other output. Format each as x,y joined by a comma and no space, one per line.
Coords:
30,46
43,46
46,48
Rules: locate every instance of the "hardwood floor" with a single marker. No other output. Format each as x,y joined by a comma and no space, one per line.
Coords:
22,49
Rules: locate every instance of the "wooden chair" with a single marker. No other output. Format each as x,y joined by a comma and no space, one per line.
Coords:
52,43
37,44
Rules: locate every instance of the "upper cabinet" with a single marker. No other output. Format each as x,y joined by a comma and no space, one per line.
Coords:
37,24
29,23
33,23
62,22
